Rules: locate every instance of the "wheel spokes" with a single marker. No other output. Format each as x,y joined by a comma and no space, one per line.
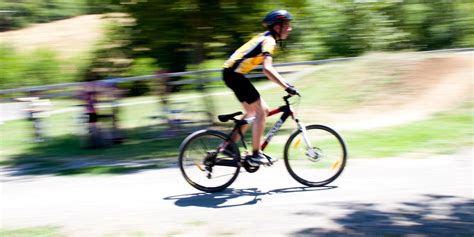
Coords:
319,164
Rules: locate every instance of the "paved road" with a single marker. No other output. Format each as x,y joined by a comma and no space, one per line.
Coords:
12,111
431,196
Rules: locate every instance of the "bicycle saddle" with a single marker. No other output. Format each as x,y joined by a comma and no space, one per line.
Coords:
226,117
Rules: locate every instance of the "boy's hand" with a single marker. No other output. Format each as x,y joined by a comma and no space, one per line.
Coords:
291,90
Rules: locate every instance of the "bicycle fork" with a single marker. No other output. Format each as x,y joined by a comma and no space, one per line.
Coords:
309,147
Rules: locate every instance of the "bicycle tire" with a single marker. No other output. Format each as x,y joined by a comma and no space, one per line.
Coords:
195,151
318,171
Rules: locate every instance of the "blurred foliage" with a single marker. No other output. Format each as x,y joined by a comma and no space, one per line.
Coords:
186,34
20,13
40,67
350,28
140,66
113,56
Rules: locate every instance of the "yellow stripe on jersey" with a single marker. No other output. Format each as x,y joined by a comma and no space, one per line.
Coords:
251,54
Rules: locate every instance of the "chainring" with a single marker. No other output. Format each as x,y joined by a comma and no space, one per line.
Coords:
249,168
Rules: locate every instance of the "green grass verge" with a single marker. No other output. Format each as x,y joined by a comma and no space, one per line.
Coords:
47,231
32,232
442,133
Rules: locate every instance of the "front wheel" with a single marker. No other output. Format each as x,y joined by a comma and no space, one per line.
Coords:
319,164
205,165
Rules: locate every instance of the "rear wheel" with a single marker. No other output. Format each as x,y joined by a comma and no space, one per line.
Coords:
204,165
320,164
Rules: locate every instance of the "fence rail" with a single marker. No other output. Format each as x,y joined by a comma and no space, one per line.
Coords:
198,81
164,75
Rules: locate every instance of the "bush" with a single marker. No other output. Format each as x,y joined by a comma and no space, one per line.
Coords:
40,67
21,13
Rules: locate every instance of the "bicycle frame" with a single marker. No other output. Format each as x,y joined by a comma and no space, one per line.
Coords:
287,112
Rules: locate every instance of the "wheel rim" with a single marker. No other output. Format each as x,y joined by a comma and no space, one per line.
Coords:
198,167
322,168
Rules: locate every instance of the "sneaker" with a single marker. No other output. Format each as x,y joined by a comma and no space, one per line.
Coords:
260,159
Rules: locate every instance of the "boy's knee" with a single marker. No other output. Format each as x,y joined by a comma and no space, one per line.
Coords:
262,111
250,114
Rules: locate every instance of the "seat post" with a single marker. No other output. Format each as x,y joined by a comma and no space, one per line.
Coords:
237,129
242,138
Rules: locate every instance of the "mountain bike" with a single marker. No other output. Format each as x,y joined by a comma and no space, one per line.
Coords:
314,155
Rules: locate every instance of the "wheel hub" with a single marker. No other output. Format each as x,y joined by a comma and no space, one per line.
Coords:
313,154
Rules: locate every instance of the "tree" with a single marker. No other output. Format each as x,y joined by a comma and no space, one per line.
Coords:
188,32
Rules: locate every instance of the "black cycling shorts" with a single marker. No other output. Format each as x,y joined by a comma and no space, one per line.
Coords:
242,87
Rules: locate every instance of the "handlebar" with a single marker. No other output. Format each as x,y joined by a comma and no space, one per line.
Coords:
286,97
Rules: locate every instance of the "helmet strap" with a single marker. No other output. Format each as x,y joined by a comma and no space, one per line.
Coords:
276,35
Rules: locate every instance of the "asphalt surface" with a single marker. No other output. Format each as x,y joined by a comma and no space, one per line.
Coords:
12,111
394,196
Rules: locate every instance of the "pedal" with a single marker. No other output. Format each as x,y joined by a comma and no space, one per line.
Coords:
271,160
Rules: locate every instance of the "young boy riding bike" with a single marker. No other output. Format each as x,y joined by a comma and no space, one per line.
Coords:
257,51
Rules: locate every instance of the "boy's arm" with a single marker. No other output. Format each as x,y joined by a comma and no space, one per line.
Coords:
272,73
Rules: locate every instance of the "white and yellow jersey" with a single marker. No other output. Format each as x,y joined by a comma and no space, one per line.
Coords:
251,54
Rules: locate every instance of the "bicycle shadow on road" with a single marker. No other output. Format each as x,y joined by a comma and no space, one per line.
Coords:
234,197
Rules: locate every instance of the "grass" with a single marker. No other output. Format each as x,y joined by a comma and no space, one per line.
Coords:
32,232
442,133
64,156
47,231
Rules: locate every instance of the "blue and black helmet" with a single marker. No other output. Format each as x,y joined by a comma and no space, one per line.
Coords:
277,16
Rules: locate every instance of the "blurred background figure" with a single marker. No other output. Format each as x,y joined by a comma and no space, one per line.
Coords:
92,134
36,110
102,125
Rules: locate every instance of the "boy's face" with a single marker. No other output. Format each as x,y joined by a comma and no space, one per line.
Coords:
284,30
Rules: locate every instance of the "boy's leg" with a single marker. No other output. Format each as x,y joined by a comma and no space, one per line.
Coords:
249,112
261,111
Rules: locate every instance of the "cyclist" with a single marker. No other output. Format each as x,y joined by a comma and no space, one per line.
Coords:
257,51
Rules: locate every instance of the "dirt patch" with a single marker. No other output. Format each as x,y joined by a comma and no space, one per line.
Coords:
69,38
426,75
423,86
